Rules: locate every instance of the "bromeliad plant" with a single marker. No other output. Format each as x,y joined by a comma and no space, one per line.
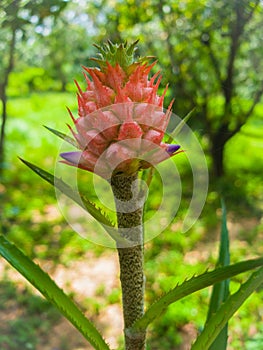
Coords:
118,134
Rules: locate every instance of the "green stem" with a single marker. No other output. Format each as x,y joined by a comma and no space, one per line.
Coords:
129,206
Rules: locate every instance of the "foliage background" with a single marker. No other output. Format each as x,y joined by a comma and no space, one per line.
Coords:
194,43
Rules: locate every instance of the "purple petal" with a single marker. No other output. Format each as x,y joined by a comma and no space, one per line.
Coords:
171,149
71,157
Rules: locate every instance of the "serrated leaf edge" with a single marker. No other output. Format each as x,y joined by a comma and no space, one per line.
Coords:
83,202
193,285
219,319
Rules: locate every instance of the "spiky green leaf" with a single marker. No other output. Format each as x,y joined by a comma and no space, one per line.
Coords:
82,201
182,123
220,290
122,53
69,192
218,320
42,281
193,285
63,136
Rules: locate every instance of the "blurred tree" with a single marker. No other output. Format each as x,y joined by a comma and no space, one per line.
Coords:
226,81
68,46
213,51
15,17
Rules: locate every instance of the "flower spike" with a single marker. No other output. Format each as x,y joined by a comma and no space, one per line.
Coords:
121,120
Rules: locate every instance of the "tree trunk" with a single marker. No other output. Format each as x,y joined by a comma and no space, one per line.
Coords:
218,142
218,160
2,133
3,96
129,206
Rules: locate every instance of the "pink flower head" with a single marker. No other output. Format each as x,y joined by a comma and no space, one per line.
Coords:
121,120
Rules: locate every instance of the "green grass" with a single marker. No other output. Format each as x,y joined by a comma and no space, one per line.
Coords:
31,219
26,136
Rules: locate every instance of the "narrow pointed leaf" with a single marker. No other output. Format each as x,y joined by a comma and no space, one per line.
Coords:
82,201
179,127
69,192
193,285
41,280
218,321
220,290
63,136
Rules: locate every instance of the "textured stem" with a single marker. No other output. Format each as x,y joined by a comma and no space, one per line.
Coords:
129,206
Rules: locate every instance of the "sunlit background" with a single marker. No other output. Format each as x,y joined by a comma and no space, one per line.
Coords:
210,53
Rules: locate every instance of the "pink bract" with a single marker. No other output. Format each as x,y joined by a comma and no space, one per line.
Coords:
121,120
